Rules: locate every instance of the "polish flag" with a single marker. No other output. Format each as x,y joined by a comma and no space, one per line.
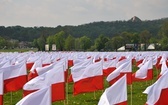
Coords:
116,94
109,66
1,88
163,69
125,68
158,64
88,79
40,97
15,76
30,61
37,68
84,63
33,73
12,78
144,73
53,78
158,92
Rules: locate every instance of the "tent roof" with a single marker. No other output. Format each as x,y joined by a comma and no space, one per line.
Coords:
121,48
151,47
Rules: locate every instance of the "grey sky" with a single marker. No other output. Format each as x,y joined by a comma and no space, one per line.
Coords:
51,13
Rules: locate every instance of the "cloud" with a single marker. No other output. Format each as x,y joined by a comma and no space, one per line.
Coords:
76,12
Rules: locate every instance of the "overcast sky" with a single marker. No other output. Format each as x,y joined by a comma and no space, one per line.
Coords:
51,13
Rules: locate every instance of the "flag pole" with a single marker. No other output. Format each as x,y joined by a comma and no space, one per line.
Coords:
94,95
67,91
11,97
131,93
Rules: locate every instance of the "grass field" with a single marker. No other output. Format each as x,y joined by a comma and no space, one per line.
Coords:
138,98
18,50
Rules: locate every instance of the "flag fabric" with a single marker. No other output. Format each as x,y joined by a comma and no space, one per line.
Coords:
163,68
33,73
158,64
109,66
1,88
84,63
40,97
145,72
36,70
158,92
15,76
88,79
30,61
125,68
53,78
116,94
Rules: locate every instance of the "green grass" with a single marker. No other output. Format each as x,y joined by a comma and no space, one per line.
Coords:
138,98
18,50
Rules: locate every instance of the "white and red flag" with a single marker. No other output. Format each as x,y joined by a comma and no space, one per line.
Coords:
53,78
158,92
116,94
40,97
145,72
109,66
12,78
88,79
1,88
125,68
163,68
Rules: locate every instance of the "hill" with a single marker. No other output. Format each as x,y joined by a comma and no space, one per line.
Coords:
91,30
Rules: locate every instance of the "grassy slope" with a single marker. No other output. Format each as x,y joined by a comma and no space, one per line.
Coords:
138,98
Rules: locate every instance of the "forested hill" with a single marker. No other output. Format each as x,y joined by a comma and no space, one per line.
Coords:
91,30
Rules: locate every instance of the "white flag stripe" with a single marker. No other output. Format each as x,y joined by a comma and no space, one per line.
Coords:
115,94
40,97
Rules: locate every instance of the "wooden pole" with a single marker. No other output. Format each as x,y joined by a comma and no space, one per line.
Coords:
94,95
11,97
67,92
131,93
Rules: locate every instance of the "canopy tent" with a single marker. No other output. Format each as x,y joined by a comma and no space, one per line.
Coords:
121,48
151,47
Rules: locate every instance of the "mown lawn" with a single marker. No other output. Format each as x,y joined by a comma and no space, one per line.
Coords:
138,98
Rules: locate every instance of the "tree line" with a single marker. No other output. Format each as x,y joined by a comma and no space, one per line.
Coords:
66,42
101,36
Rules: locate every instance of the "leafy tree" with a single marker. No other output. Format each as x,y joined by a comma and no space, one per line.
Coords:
41,43
2,42
127,37
60,40
85,43
144,37
164,34
77,44
50,40
70,43
109,45
100,42
117,42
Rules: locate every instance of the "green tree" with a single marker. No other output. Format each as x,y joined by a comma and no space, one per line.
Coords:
108,45
164,36
60,40
85,43
145,37
41,43
50,41
77,44
100,42
117,42
2,42
70,43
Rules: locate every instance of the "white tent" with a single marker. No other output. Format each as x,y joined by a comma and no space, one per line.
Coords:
121,48
151,47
